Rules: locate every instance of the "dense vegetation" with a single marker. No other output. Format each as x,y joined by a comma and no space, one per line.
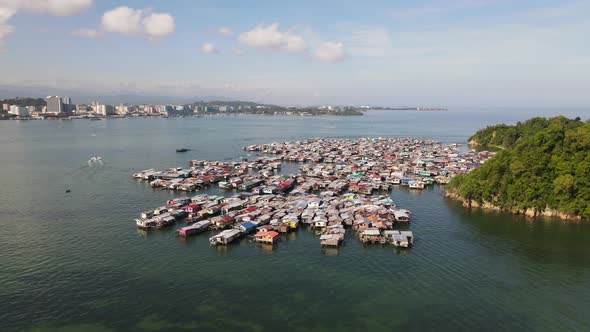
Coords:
545,164
507,136
40,102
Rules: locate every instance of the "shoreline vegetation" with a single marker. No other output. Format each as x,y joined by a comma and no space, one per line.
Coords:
542,169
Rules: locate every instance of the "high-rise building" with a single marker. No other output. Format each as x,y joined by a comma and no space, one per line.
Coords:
59,105
18,110
104,110
54,105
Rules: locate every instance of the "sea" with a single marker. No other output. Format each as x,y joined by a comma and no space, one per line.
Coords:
76,262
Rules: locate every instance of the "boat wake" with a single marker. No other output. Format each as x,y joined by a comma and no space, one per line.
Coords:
95,161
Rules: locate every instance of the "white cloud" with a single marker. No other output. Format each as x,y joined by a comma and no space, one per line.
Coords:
158,24
208,48
5,29
329,52
6,14
86,33
271,37
224,32
54,7
294,43
131,21
123,20
8,8
262,36
237,52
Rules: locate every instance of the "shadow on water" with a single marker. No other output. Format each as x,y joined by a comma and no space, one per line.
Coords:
543,240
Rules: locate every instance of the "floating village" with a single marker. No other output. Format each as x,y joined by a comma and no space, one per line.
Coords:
341,185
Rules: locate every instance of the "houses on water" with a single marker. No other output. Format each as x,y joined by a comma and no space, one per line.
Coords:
338,190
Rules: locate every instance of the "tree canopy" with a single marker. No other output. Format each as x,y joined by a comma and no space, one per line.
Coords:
545,164
507,136
40,102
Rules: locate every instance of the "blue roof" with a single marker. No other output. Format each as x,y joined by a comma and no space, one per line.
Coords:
247,225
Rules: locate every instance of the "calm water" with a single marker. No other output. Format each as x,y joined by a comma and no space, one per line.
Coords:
76,261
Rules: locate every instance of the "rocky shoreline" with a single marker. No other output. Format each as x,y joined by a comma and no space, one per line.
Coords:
531,213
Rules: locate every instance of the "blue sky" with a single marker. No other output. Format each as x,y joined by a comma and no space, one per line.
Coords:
436,53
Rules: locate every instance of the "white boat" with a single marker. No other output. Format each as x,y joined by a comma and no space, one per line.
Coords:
416,185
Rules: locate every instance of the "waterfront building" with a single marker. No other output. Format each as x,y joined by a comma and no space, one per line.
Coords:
81,108
59,105
54,105
104,110
122,110
19,111
177,112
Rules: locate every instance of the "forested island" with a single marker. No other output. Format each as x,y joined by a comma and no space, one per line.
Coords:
543,168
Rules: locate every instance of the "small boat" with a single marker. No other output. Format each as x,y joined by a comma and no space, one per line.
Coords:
416,185
182,150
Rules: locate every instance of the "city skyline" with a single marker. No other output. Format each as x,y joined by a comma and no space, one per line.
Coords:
436,53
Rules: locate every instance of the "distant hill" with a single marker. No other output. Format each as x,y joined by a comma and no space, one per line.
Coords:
544,169
26,101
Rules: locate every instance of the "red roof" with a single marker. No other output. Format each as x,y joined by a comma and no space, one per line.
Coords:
269,233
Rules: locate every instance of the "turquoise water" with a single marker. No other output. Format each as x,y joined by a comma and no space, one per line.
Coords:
76,261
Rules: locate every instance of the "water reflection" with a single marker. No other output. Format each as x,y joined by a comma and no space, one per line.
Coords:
330,251
543,240
266,248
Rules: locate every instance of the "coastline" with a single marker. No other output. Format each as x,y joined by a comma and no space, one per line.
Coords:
531,213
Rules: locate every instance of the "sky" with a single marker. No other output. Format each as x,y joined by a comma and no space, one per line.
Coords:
445,53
